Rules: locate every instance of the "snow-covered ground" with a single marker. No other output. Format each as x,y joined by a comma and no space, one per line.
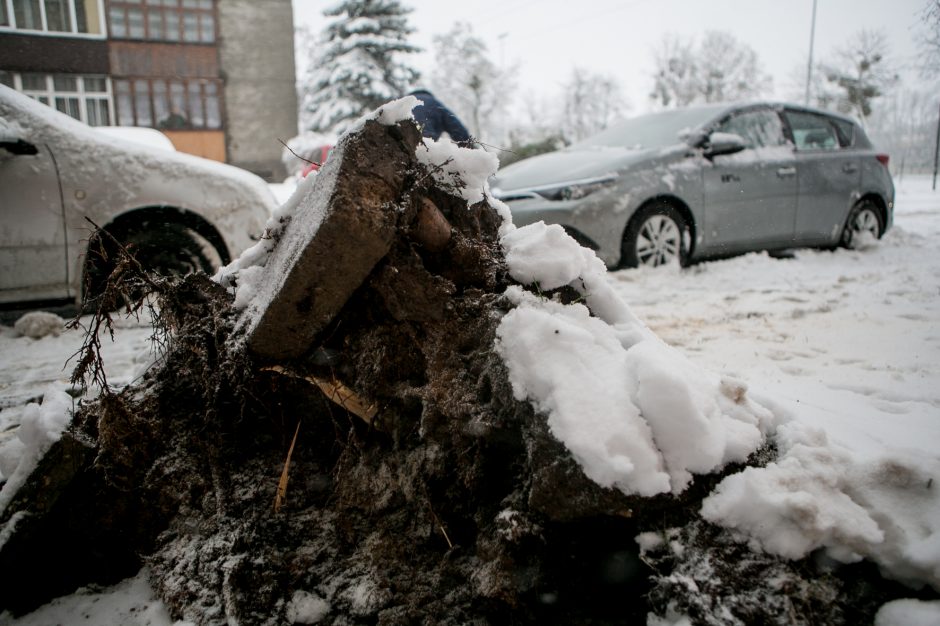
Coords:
847,342
29,367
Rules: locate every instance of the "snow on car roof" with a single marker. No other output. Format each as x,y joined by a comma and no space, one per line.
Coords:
14,104
137,134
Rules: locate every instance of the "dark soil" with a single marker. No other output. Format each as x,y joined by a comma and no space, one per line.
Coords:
456,505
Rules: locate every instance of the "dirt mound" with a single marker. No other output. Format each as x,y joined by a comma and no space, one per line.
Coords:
419,490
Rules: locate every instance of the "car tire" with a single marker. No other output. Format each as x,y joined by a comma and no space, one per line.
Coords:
165,249
655,236
864,218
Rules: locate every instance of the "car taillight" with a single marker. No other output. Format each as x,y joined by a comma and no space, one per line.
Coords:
882,158
311,167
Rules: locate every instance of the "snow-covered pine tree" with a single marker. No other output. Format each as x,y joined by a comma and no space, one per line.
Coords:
356,63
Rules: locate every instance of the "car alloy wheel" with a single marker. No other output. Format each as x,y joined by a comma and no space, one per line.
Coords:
165,249
658,241
655,236
864,223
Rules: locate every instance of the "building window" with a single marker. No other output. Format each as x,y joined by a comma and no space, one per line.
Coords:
86,98
192,21
73,17
168,104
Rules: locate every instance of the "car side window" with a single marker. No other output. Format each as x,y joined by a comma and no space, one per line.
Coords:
813,132
759,129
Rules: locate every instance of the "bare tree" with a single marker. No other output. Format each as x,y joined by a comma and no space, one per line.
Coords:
905,126
469,82
720,69
819,92
859,74
929,39
534,128
676,75
591,103
729,69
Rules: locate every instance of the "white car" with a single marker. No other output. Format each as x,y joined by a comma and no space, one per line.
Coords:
140,135
176,212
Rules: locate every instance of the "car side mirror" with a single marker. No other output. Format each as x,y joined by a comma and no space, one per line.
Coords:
723,143
17,146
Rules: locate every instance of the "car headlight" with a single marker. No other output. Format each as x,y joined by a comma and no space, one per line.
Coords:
575,190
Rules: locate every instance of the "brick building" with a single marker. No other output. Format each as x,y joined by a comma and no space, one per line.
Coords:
216,76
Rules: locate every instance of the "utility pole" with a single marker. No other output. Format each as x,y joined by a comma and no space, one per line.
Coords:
936,153
809,66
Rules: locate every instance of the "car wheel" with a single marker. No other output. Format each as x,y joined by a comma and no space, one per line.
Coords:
654,237
165,249
863,224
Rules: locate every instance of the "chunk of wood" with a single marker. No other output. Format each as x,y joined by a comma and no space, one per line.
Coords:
431,228
342,229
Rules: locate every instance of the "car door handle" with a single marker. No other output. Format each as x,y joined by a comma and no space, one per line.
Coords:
786,172
850,168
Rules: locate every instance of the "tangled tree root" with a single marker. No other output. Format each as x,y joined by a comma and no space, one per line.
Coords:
441,499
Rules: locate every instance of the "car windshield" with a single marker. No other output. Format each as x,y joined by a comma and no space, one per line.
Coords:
656,130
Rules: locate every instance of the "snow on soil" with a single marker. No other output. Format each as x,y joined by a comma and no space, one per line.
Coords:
41,425
307,608
846,345
36,366
464,169
841,347
131,602
635,413
909,613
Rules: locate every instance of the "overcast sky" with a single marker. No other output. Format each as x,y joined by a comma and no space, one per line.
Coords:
547,38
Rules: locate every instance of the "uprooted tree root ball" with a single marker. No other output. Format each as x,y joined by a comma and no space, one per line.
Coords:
383,473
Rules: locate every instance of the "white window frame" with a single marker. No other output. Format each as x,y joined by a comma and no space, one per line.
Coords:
50,93
12,28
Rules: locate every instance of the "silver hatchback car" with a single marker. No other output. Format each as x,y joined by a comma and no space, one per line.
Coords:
177,213
707,182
